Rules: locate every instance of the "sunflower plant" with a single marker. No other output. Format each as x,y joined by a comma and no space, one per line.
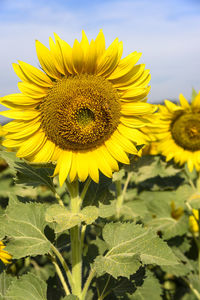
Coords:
80,216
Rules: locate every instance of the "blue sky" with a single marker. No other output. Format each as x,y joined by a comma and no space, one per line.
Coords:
166,32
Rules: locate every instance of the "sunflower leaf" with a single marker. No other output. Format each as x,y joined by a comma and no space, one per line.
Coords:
150,286
27,287
25,224
29,175
65,219
129,244
5,282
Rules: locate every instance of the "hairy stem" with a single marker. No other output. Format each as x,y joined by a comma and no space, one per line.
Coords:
87,284
63,263
76,245
60,275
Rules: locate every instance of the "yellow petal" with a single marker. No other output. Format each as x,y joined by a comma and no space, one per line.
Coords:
31,74
134,94
73,170
65,165
108,158
20,114
171,106
91,59
82,165
19,99
100,44
137,108
12,143
28,130
93,167
103,164
56,52
32,90
17,125
196,101
32,144
125,143
84,44
78,57
183,101
135,122
109,60
134,135
47,61
66,54
116,151
45,153
125,66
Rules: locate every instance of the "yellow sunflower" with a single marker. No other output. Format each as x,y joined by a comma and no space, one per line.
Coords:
84,110
4,255
179,132
193,224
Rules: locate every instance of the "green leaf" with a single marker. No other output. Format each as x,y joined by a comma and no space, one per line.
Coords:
65,219
27,287
5,282
33,176
150,289
11,159
128,244
25,225
150,166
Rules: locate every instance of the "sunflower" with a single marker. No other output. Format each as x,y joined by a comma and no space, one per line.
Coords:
193,221
84,110
179,132
4,255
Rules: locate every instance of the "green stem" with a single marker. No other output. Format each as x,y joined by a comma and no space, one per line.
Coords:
58,199
76,246
87,283
63,263
195,292
121,193
60,275
86,186
102,296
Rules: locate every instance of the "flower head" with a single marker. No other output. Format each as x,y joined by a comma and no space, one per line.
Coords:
4,255
85,110
179,132
194,227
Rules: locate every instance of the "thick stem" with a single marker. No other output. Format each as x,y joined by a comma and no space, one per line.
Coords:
76,246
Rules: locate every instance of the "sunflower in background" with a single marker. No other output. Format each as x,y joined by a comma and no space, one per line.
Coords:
4,255
193,221
85,110
179,132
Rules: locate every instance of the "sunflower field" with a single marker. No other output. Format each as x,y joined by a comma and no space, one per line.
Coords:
99,190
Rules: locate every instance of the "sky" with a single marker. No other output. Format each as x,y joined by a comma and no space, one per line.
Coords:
167,32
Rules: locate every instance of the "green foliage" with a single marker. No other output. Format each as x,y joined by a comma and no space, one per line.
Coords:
24,225
136,238
27,287
129,244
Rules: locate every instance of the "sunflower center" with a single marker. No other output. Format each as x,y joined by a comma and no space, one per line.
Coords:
84,117
80,112
186,131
